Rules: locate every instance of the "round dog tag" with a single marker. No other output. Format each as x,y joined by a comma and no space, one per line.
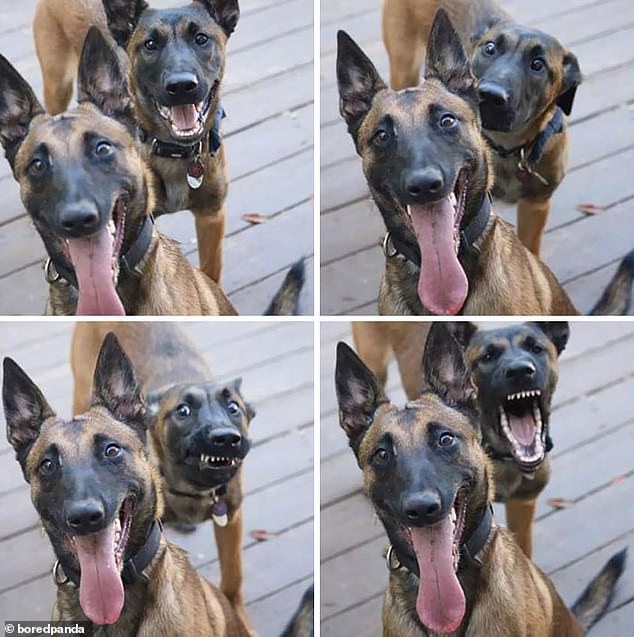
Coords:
195,173
219,513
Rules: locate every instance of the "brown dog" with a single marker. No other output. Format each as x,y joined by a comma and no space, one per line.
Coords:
198,431
452,570
526,87
91,197
99,500
428,169
503,362
175,77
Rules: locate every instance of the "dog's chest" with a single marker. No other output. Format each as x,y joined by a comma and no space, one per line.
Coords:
175,191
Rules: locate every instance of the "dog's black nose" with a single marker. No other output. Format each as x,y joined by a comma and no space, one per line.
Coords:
520,370
493,94
423,184
224,437
85,516
181,84
423,508
80,219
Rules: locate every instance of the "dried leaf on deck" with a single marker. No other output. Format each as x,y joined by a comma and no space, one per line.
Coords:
559,503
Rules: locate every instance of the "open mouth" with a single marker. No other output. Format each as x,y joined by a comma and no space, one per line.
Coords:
187,120
206,462
442,286
521,423
441,601
100,557
95,260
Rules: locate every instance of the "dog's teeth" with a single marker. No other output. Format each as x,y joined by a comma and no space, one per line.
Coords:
409,212
452,200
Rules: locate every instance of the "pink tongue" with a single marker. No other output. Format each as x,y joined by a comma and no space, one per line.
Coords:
441,602
523,428
443,285
184,116
92,260
100,588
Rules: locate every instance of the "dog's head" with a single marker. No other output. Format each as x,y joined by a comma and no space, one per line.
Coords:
201,431
423,468
81,175
177,61
423,155
90,477
521,73
515,370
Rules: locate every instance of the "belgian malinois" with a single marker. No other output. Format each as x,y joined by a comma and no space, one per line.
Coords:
515,370
428,169
526,85
176,66
91,197
198,431
99,499
453,571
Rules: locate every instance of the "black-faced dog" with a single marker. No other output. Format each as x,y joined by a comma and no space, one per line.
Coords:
199,431
99,500
526,86
453,571
91,197
176,65
429,172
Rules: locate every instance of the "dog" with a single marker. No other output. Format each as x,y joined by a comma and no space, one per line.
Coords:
198,431
504,363
98,496
453,571
428,169
175,77
302,624
527,82
91,197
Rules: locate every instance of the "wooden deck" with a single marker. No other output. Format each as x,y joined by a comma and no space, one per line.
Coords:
276,363
581,250
268,96
593,466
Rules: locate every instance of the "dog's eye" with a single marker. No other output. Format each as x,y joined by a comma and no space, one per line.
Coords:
112,451
447,121
184,410
201,39
150,44
537,349
446,440
538,64
103,149
490,355
47,466
233,408
381,457
381,137
490,48
37,167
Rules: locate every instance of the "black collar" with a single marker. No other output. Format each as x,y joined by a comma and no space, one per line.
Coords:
468,550
468,236
133,567
172,150
554,127
54,270
212,494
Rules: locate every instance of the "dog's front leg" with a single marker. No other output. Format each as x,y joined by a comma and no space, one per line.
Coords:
229,541
519,519
210,232
531,221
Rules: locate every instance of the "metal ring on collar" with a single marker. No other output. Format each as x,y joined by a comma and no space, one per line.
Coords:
50,273
393,563
386,246
56,574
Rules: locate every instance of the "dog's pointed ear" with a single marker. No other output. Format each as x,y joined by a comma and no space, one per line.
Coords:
358,81
235,386
444,367
572,78
122,17
462,331
18,107
102,78
25,409
447,60
225,12
116,387
557,331
358,394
